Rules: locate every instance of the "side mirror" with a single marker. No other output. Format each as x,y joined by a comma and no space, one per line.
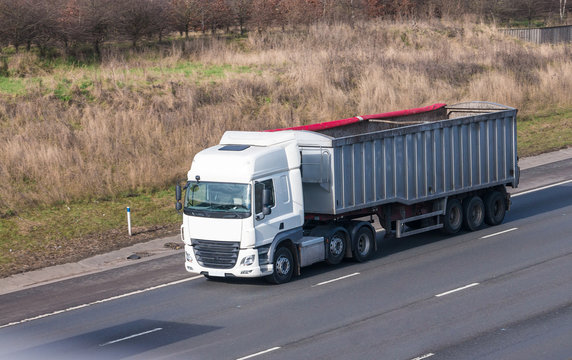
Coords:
178,196
178,192
265,201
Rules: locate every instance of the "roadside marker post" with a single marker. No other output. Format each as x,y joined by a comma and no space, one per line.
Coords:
129,220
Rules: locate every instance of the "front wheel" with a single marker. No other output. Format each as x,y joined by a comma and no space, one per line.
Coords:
283,266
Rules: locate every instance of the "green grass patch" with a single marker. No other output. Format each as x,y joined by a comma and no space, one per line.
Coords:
63,90
189,69
545,131
525,23
12,86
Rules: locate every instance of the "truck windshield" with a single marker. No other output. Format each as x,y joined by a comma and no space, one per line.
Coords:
220,200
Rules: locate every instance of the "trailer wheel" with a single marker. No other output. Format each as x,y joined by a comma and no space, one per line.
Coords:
453,218
495,208
283,267
363,244
474,211
336,248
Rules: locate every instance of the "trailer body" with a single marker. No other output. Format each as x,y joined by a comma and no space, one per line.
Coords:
452,150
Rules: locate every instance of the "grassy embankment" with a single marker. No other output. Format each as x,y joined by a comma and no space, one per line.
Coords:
80,142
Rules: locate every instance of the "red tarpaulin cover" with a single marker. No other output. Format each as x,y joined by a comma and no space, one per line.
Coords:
388,115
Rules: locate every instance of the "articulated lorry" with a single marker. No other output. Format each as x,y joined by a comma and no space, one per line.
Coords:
266,204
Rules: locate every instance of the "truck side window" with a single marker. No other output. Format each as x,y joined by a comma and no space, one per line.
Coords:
258,187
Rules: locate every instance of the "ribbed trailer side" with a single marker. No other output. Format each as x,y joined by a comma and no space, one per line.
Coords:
474,148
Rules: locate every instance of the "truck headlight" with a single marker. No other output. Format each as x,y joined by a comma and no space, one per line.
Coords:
248,260
188,256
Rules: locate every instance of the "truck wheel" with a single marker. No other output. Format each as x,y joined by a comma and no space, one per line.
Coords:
453,218
363,244
495,208
474,211
283,267
336,248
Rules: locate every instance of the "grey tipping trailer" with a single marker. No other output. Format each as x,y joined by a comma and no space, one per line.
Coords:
404,167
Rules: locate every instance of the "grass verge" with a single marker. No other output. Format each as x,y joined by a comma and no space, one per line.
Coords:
545,131
44,236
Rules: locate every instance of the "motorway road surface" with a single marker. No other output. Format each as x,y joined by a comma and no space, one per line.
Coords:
502,292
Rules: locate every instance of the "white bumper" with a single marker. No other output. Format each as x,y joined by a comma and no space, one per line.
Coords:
240,269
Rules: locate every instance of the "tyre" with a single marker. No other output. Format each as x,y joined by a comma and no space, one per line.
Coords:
336,248
283,266
474,213
363,242
495,208
453,219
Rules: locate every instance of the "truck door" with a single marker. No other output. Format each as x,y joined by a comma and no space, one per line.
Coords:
267,226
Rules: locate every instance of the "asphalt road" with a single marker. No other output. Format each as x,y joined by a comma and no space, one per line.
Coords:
502,292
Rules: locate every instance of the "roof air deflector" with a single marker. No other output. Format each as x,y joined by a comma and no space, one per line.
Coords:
234,147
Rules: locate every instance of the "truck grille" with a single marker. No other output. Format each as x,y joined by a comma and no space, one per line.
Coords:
216,254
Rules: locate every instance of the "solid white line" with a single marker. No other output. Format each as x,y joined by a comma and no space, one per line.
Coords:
499,233
541,188
337,279
457,289
100,301
423,356
259,353
131,336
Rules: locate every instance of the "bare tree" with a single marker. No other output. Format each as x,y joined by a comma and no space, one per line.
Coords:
530,9
19,24
68,18
180,14
241,11
95,22
46,29
217,15
562,10
161,20
299,12
136,19
264,13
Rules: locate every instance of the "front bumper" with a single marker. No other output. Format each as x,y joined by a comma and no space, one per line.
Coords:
240,269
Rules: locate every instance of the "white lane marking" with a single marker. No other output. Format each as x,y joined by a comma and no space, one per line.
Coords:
101,301
457,289
541,188
131,336
259,353
423,356
336,279
498,233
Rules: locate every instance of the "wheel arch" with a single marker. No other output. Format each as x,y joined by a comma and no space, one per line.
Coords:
327,231
287,239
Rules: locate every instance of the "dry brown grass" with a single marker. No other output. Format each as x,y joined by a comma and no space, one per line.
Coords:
136,120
